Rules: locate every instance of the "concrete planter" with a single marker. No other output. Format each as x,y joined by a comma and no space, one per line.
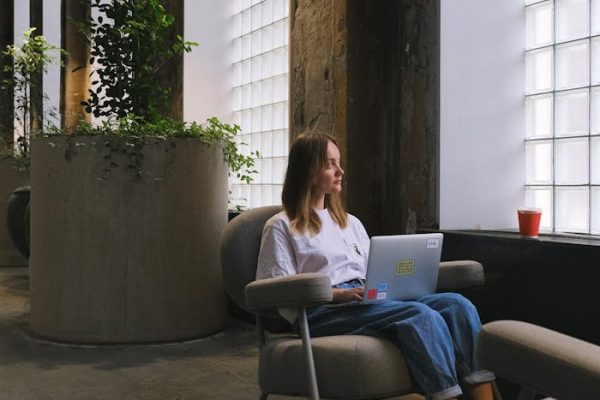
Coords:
12,175
124,239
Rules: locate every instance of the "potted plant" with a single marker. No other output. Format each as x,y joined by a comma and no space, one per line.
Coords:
20,115
127,213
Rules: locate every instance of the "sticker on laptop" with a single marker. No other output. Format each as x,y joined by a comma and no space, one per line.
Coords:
433,243
372,294
405,267
382,287
381,295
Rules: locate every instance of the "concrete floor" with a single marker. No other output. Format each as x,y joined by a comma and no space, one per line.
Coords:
223,366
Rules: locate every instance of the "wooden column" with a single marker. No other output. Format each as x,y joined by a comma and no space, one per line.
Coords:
368,73
318,67
6,97
36,20
74,85
171,74
393,114
318,70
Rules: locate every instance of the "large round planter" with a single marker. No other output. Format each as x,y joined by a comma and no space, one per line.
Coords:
12,175
125,239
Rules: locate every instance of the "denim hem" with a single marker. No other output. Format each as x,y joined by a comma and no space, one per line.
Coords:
451,392
477,377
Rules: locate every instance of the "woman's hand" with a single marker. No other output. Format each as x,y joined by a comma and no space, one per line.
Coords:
346,295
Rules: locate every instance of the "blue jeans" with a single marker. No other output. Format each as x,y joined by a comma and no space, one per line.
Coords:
436,333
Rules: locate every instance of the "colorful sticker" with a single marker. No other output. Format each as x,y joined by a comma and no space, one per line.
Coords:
372,294
381,295
382,287
405,267
433,243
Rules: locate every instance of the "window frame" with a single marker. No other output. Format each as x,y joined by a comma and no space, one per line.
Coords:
554,185
250,105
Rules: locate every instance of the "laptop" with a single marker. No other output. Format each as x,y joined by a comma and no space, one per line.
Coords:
401,267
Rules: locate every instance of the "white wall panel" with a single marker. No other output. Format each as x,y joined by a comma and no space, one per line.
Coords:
482,118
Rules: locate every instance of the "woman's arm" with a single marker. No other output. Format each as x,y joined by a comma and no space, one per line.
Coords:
346,295
276,256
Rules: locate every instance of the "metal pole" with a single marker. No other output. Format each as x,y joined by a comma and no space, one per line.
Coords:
261,332
308,356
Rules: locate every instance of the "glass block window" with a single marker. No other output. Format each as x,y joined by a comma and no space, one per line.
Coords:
562,108
260,96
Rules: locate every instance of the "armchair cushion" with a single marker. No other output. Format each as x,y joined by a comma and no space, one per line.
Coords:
546,361
460,274
348,366
240,245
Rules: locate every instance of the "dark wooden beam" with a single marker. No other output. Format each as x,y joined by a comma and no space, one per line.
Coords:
74,80
393,114
36,20
171,74
6,97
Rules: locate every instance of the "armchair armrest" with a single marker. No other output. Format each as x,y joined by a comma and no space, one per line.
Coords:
546,361
460,274
303,290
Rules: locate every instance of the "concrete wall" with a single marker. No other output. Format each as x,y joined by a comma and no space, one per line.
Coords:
482,117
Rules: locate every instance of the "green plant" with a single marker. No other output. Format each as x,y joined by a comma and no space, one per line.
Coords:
24,62
213,132
129,47
130,44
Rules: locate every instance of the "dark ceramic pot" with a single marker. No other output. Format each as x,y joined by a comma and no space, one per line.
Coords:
231,214
18,204
27,224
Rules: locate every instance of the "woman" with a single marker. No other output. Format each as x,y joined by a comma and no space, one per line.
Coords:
436,333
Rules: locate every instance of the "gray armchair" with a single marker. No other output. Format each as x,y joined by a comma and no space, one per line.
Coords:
542,361
336,367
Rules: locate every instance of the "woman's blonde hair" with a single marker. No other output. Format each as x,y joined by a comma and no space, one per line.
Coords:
307,158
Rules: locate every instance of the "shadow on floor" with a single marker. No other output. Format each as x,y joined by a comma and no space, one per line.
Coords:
219,367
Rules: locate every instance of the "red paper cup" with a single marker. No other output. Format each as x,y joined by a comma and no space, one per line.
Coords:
529,222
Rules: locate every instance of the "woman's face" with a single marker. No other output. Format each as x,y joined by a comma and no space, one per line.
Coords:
329,179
